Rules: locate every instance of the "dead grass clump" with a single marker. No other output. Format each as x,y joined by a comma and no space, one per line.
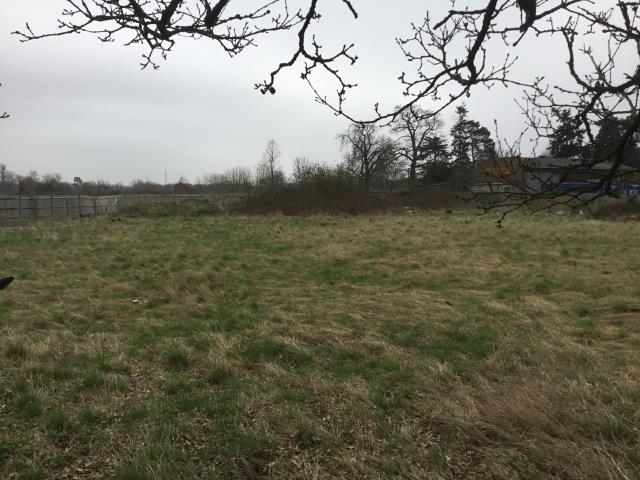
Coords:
545,429
629,321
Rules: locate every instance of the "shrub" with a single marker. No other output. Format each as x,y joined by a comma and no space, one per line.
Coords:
324,190
614,208
58,423
327,191
185,208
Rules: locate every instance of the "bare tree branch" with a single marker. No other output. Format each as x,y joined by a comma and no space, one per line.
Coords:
451,56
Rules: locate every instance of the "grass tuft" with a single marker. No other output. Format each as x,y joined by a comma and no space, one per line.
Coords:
5,450
177,386
58,423
26,404
32,474
88,415
621,307
219,374
261,350
177,359
130,472
16,351
93,380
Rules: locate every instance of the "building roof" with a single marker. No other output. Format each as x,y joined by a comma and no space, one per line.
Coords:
549,163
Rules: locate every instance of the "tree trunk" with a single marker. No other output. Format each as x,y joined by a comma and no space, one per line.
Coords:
412,175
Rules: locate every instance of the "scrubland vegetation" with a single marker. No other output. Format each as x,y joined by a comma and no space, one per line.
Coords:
407,345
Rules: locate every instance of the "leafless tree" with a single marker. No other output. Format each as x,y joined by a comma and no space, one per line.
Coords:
602,83
363,147
6,176
238,176
391,168
302,167
414,127
268,171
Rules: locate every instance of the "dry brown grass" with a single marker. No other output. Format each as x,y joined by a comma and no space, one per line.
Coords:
407,346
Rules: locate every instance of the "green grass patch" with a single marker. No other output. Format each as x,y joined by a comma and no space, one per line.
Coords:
26,404
219,374
177,359
384,346
88,415
32,474
176,385
58,423
262,350
94,379
16,351
135,414
621,307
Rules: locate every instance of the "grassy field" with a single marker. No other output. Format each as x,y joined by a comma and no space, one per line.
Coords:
412,346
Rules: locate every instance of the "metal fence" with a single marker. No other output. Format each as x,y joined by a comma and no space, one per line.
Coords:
47,206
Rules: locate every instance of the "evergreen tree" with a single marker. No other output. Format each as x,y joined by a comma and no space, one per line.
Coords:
483,148
436,167
567,140
609,137
436,150
471,143
461,138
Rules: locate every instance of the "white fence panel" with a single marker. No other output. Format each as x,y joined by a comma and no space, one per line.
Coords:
48,206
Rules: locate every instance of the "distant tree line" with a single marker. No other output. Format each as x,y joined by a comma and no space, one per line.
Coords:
234,180
568,139
411,153
415,150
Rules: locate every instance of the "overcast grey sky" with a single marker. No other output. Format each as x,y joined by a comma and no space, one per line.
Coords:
83,108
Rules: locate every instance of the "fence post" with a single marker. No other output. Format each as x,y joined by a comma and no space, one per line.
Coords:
19,206
67,205
51,204
79,206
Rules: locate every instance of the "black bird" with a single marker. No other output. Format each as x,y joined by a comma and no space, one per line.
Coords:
5,282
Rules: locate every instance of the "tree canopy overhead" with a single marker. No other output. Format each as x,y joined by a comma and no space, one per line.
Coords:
231,24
